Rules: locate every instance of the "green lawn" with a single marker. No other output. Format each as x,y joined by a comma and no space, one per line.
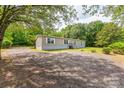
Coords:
87,49
92,49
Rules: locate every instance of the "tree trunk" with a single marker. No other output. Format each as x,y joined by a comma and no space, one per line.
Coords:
2,30
0,49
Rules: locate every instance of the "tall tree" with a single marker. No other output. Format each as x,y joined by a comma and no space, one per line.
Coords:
76,31
116,12
110,33
92,29
83,31
46,16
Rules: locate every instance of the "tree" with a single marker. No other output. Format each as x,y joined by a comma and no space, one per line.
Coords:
92,29
18,34
116,12
83,31
75,31
109,34
46,16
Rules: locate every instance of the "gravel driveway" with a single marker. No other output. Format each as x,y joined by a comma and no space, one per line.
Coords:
26,68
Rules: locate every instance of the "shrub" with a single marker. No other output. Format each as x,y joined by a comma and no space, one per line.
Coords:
6,43
82,50
117,45
117,48
107,50
93,51
118,51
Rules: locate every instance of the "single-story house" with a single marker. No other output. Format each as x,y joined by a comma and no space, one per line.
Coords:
50,43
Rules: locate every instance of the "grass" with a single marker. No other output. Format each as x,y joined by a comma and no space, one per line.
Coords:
90,49
87,49
57,50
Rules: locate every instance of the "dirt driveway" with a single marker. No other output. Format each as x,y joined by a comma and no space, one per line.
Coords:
26,68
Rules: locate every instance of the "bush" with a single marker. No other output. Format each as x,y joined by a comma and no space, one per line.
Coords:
117,45
6,43
93,51
117,48
82,50
118,51
107,50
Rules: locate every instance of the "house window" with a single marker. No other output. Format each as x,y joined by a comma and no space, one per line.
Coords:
65,41
51,40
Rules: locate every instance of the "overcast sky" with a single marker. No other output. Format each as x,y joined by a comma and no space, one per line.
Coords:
87,19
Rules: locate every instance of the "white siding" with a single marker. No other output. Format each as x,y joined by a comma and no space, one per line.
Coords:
83,44
59,44
41,43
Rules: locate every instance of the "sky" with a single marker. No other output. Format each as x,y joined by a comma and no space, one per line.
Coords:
87,19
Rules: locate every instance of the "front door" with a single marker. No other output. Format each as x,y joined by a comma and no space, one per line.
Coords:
70,45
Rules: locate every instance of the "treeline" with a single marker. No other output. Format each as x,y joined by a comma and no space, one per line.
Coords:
21,35
110,36
84,31
96,34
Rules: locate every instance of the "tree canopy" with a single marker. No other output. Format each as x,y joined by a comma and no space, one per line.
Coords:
109,34
76,31
92,29
83,31
23,23
44,16
114,11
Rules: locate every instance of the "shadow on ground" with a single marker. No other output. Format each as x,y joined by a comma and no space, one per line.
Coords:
60,70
